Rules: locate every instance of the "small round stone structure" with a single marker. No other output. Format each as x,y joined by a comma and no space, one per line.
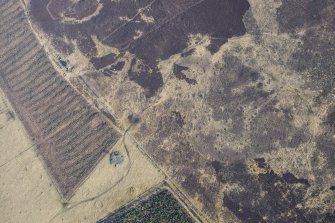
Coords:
116,158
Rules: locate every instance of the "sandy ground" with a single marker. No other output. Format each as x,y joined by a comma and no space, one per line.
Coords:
26,191
10,131
28,195
108,188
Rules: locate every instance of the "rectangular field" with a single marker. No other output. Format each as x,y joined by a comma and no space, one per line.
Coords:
159,206
69,134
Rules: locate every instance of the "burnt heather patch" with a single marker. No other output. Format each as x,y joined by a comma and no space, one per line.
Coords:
166,33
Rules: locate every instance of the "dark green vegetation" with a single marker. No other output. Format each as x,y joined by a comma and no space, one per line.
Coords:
160,207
